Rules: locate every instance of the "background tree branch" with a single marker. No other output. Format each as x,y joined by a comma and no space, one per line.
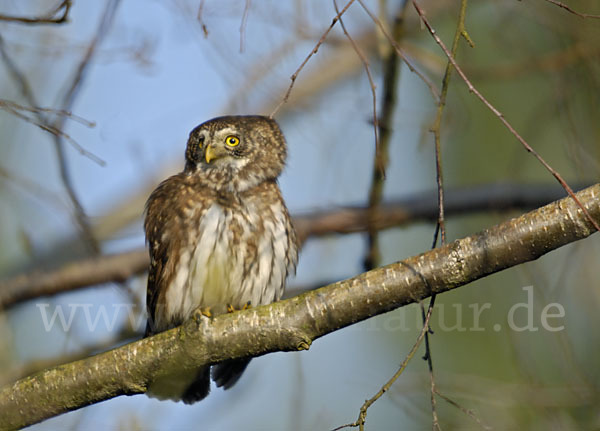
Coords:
120,267
294,323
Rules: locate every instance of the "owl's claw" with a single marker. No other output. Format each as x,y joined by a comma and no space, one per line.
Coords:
231,308
201,312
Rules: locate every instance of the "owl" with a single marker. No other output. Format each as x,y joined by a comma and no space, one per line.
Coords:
220,238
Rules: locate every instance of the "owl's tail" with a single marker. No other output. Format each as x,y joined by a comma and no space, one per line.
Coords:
227,373
199,389
175,386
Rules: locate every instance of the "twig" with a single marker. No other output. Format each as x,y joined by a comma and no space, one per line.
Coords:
574,12
67,102
308,57
500,116
200,19
365,63
440,226
14,108
390,84
427,81
37,109
243,24
41,121
48,18
362,415
468,412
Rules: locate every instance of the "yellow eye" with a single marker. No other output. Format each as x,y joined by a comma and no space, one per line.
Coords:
232,141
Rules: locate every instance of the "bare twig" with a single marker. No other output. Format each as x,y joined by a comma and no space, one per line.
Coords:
574,12
243,24
58,112
362,415
200,18
308,57
427,81
468,412
67,101
57,15
41,121
441,226
365,63
15,108
390,85
500,116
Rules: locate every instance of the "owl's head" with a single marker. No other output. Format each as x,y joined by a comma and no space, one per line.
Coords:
236,151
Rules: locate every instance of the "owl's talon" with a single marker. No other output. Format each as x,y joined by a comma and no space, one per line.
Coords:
231,308
200,313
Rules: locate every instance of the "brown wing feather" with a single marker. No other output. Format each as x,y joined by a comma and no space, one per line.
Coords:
163,227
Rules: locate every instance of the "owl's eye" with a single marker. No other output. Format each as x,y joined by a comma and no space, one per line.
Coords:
232,141
201,142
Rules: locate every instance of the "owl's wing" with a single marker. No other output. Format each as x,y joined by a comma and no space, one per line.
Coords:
153,225
162,225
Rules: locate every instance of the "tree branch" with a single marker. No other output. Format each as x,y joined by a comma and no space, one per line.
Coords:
422,207
294,323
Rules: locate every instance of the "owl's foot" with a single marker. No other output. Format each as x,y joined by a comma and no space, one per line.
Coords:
201,312
231,308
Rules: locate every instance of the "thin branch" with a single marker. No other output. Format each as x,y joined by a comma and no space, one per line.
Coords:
365,63
67,103
420,207
500,116
441,224
293,324
467,412
574,12
41,120
200,19
427,81
62,10
362,415
53,111
308,57
390,84
15,108
243,25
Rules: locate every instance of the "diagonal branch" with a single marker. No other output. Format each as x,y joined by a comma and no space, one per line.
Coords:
120,267
295,323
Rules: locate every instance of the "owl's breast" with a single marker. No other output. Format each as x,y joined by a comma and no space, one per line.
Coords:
234,256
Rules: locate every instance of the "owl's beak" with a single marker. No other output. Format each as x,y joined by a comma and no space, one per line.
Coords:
214,152
210,154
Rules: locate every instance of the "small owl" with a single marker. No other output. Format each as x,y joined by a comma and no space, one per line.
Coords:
220,237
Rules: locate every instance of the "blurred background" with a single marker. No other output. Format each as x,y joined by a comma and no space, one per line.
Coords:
145,72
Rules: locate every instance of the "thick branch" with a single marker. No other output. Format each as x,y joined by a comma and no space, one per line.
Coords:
423,207
294,323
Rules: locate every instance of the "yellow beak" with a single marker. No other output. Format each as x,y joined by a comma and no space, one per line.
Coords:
210,154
